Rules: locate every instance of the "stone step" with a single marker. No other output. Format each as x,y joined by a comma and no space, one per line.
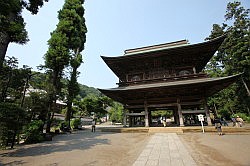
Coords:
165,130
212,129
125,130
174,129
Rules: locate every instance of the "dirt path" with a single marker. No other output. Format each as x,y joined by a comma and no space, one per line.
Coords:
211,149
82,148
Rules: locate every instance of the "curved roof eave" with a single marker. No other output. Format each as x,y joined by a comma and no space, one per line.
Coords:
172,83
202,51
219,39
206,87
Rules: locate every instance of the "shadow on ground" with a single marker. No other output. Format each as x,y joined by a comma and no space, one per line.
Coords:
81,140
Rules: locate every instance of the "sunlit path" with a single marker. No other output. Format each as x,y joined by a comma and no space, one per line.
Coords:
165,149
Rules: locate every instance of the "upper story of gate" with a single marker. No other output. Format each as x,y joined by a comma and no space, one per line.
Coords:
164,62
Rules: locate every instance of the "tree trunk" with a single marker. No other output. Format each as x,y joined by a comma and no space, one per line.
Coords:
13,139
246,87
71,95
69,110
52,98
4,43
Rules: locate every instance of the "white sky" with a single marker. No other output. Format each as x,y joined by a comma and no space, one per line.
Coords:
117,25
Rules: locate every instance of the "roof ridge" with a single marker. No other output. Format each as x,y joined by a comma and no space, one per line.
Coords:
157,46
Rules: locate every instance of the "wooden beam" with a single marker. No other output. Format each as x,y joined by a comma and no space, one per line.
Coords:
135,106
191,103
135,114
192,111
162,105
152,105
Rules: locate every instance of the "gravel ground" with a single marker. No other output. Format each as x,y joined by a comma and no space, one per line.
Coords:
211,149
122,149
77,149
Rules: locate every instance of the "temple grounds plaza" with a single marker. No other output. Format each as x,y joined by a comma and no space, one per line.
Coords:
126,149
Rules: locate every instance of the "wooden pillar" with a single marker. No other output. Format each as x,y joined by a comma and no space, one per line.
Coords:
209,123
149,117
176,117
179,112
130,121
146,114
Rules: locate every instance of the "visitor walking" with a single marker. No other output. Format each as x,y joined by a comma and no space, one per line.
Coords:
218,125
234,121
239,121
93,126
223,120
164,123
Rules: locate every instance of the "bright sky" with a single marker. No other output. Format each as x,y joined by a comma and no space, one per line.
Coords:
117,25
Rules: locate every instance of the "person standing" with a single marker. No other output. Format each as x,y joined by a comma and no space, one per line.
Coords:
164,123
93,126
239,121
223,119
218,125
234,121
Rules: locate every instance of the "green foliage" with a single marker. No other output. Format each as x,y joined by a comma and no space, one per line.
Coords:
33,132
57,56
37,103
37,80
72,24
74,123
86,91
233,57
12,79
91,103
12,25
162,113
12,118
33,5
116,112
11,21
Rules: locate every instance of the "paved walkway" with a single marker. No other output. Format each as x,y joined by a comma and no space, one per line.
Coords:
164,149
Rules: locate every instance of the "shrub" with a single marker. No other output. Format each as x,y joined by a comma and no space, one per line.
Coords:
33,132
12,119
75,123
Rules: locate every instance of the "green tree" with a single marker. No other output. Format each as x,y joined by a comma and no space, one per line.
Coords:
36,105
56,59
94,104
233,57
73,87
13,80
33,132
72,24
12,118
11,64
12,26
116,112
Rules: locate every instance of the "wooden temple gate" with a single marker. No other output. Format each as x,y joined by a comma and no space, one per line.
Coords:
169,76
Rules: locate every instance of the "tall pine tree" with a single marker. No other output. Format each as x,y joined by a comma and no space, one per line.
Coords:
66,44
233,57
75,30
